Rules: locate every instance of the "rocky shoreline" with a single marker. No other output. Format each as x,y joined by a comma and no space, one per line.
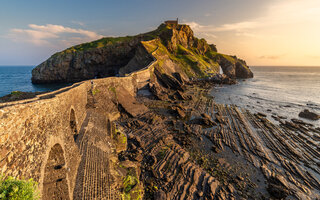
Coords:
190,147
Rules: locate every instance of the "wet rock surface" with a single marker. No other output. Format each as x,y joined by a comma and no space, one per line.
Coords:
229,153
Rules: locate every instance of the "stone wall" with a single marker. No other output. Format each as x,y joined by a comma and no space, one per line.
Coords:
30,128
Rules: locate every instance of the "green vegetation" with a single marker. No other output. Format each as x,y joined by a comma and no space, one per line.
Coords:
194,63
95,91
216,56
131,189
191,61
210,164
121,137
15,189
129,182
101,43
108,41
97,44
150,46
113,89
156,33
16,93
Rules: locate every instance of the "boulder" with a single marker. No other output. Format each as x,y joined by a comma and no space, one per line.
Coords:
222,79
168,81
204,120
129,103
158,91
278,187
179,112
309,115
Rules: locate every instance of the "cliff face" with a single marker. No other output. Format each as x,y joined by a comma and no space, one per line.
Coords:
234,67
118,56
80,62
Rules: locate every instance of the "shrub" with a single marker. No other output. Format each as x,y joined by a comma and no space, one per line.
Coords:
15,189
16,93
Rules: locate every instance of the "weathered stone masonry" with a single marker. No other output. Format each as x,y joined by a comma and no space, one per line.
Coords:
31,129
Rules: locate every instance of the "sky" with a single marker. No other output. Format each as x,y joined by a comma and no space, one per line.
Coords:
262,32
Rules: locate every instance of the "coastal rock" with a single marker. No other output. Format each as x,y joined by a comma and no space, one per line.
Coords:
179,112
168,81
234,67
204,120
179,95
120,56
278,187
222,79
309,115
84,62
129,103
158,91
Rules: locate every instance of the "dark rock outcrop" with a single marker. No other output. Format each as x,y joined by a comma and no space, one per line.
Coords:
309,115
168,81
222,79
234,67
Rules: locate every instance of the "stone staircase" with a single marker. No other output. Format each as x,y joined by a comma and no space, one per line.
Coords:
94,179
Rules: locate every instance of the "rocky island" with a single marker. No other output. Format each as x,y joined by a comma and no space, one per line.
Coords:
119,56
144,126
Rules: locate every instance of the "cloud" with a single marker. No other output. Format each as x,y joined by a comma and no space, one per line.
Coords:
54,35
244,28
204,31
78,23
272,57
240,26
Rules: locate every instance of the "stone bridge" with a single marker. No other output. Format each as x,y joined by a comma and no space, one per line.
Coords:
61,138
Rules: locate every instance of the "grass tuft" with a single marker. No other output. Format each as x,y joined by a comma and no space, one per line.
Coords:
15,189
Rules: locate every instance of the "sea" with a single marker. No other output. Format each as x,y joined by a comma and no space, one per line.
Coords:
18,78
283,91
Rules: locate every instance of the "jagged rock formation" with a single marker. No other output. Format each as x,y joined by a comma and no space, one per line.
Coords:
119,56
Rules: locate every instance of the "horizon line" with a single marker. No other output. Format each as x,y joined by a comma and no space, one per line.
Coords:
248,65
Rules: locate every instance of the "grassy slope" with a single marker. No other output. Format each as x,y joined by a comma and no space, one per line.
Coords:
192,63
108,41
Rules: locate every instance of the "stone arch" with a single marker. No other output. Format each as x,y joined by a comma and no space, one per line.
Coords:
73,124
55,185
